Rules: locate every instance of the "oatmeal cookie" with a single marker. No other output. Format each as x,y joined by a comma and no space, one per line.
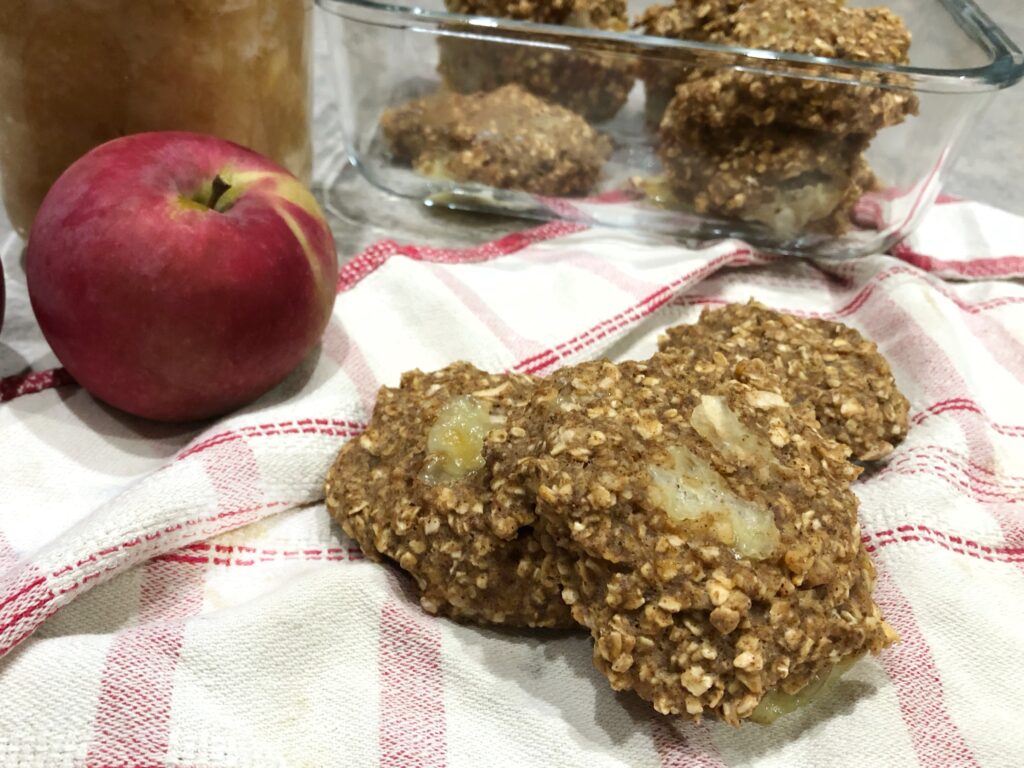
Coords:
789,180
683,20
416,489
592,83
506,138
708,533
719,98
830,366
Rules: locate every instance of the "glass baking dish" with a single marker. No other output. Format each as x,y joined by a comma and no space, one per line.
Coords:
795,153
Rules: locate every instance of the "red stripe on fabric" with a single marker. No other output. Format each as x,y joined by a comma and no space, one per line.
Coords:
911,667
412,716
977,487
993,266
612,197
346,353
28,597
993,500
23,624
961,545
133,713
925,539
684,745
509,338
958,461
609,273
955,538
563,208
933,283
29,580
134,729
969,406
377,254
654,301
1004,347
326,427
981,476
900,337
33,382
248,556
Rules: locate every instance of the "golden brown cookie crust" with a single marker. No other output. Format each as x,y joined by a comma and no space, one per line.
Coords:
593,84
721,98
472,560
827,365
790,180
683,20
507,138
676,614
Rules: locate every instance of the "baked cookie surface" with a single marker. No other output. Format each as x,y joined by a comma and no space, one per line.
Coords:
786,179
706,533
830,366
506,138
816,28
416,489
591,83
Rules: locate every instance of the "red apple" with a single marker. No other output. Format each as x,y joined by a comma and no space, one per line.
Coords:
178,276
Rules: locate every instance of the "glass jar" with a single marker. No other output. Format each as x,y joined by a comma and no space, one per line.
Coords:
77,73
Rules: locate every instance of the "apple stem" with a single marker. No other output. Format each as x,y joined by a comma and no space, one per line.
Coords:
219,188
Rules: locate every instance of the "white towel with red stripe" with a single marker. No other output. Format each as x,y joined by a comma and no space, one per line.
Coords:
179,596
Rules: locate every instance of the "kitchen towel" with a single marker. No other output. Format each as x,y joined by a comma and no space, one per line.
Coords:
178,595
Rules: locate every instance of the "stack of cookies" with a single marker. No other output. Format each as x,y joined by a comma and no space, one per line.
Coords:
692,511
785,152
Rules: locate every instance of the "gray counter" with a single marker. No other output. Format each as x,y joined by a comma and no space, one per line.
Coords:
991,167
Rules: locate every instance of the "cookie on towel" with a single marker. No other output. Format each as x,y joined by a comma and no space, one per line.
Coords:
416,489
830,366
706,532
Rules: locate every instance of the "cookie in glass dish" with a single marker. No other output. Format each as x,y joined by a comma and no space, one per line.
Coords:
417,489
682,20
721,96
787,179
830,366
507,138
825,28
705,531
591,82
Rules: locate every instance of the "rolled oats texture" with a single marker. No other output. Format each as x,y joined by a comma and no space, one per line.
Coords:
676,613
506,138
828,365
472,559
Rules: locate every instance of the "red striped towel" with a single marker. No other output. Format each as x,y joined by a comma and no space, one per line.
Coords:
173,596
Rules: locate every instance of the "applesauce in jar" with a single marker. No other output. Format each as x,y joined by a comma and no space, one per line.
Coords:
77,73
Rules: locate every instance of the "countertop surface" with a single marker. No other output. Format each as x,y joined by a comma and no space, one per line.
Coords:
991,166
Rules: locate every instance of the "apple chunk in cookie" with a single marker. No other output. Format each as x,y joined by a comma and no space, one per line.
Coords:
705,532
418,488
827,365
